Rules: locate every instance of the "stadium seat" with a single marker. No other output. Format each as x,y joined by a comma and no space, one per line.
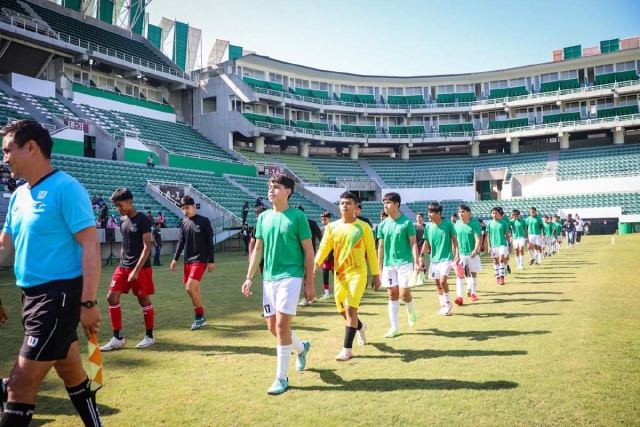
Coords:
603,79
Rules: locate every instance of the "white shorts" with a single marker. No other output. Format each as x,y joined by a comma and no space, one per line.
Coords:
550,240
398,275
439,269
475,265
535,239
519,243
498,251
281,295
559,238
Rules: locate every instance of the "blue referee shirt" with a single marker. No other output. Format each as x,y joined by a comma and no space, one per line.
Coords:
42,221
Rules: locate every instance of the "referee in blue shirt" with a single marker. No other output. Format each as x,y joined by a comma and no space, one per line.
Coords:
50,229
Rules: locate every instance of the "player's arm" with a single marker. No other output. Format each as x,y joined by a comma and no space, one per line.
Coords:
254,262
7,249
380,251
252,245
325,248
414,251
88,241
372,259
146,251
476,248
454,247
309,290
181,242
208,230
488,233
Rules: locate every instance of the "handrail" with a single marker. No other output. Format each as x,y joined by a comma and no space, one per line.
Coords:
21,21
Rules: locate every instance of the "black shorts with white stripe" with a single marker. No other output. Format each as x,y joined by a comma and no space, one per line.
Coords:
50,315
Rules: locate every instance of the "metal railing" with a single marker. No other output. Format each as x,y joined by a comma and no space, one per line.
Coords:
30,24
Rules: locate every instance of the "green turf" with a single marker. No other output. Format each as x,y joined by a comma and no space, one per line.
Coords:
558,345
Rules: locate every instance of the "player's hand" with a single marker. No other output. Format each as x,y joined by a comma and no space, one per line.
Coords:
210,267
456,258
309,290
90,319
3,315
473,254
246,288
375,283
173,266
132,276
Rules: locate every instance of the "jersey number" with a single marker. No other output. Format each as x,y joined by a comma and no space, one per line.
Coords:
267,308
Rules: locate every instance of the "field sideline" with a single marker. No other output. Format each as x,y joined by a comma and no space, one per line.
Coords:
558,345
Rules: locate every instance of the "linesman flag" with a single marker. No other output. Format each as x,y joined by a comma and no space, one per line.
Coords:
95,364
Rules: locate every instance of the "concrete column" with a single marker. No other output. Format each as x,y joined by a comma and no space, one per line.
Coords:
354,151
303,149
564,141
515,145
475,149
258,144
404,152
618,136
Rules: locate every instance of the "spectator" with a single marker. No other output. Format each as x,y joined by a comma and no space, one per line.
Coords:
12,185
100,201
114,155
160,220
316,233
579,229
150,216
259,202
246,237
98,221
104,215
156,237
150,161
94,203
245,212
112,222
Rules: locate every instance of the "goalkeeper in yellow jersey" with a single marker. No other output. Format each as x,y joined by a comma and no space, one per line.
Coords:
353,247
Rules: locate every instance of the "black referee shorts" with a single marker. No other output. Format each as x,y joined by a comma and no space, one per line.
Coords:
50,316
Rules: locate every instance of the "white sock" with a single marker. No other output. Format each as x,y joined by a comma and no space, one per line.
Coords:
539,256
442,300
459,286
501,269
447,300
394,307
296,343
470,284
496,270
283,355
532,254
409,305
475,285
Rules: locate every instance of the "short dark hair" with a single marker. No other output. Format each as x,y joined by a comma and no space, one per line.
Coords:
419,214
515,212
392,197
121,195
326,214
257,211
24,131
464,207
352,196
497,209
435,207
533,209
546,216
283,179
454,215
186,201
299,207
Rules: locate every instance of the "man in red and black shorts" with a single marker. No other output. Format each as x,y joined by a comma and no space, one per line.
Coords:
134,271
327,264
196,238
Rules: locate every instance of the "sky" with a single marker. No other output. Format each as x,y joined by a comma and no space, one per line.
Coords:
405,37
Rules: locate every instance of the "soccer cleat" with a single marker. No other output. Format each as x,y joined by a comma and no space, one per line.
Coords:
392,333
445,310
362,337
114,344
326,296
278,387
468,292
474,298
305,303
301,360
344,355
146,342
459,301
198,323
508,269
412,318
501,281
531,262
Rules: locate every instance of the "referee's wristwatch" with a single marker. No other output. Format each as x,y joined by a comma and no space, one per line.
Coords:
89,304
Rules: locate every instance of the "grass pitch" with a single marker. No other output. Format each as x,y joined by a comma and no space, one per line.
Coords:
558,345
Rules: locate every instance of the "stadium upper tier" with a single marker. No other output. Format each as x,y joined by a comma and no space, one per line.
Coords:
10,109
599,162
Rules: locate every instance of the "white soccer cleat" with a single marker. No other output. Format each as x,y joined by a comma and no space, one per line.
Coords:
304,303
361,334
146,342
446,310
326,296
344,355
114,344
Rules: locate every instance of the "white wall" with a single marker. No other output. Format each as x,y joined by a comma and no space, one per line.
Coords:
32,86
135,144
548,186
108,104
409,195
70,135
331,194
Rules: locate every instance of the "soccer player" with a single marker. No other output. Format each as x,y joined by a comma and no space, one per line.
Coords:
518,236
252,244
196,238
441,241
558,226
469,234
497,237
419,226
397,258
284,237
534,231
362,218
133,273
50,233
316,234
507,225
353,243
549,235
454,218
328,264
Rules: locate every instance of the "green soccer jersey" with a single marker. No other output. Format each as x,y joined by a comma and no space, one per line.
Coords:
396,244
439,238
558,226
534,225
497,230
281,234
549,229
466,234
517,228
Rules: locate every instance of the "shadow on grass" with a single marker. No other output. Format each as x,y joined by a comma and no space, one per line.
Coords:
504,315
261,326
407,355
479,335
524,301
335,382
551,276
49,405
213,349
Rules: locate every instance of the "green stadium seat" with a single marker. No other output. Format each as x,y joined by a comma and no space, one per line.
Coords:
606,112
397,100
569,84
446,98
626,110
349,128
349,97
498,93
450,128
549,86
516,123
623,76
368,130
366,99
518,91
414,99
465,97
603,79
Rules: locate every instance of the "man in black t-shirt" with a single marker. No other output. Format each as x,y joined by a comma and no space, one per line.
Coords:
196,238
252,244
419,225
360,217
134,271
156,237
316,233
245,211
246,237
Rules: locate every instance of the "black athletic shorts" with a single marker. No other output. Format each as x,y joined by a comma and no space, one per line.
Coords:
50,316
